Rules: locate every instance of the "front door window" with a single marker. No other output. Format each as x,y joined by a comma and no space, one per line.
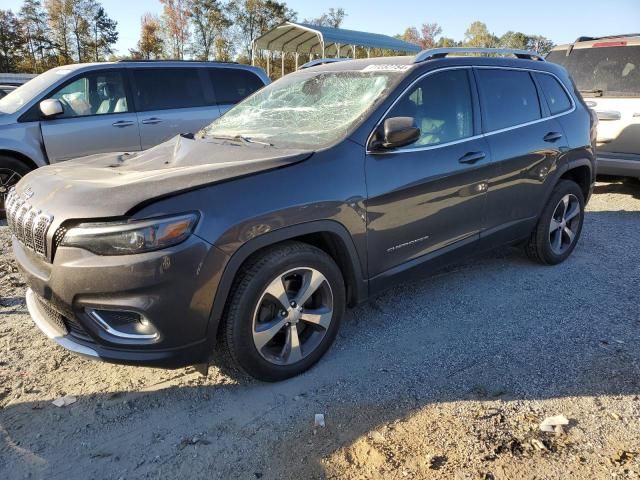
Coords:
95,94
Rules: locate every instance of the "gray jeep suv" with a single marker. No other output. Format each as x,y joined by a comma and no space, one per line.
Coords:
250,238
78,110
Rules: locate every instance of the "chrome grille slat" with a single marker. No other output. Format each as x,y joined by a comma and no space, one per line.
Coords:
19,221
29,225
40,234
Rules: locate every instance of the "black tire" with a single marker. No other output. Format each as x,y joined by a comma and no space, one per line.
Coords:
236,338
11,171
539,247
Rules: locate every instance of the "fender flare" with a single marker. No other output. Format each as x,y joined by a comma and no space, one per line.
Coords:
567,166
579,162
360,284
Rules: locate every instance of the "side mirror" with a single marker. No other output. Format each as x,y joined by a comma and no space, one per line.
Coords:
51,107
399,131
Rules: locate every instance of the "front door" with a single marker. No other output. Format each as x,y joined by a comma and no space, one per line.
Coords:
430,194
97,118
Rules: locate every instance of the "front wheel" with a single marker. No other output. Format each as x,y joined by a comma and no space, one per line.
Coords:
559,226
284,312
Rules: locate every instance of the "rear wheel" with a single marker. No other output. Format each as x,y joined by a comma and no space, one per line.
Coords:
11,171
559,226
284,312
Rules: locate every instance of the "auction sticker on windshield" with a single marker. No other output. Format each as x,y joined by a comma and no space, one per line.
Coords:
386,68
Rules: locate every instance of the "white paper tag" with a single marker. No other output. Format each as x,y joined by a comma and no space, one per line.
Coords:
386,68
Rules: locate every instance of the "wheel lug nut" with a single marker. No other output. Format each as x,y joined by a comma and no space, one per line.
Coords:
293,304
283,313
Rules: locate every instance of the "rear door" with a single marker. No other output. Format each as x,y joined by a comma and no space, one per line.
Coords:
232,85
97,117
525,142
171,100
430,194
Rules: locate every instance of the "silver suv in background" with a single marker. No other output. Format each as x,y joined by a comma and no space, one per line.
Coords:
77,110
606,70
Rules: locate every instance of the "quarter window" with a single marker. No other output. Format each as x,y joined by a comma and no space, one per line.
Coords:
232,85
168,88
555,95
509,98
442,105
95,94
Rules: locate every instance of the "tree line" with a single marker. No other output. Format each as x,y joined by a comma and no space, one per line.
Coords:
477,35
41,36
47,33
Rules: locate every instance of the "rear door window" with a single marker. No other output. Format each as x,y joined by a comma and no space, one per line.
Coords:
231,85
603,70
509,98
555,95
168,88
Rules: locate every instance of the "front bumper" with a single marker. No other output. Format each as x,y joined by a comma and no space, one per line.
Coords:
172,288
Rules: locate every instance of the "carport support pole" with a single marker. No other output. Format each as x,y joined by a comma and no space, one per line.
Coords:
268,63
353,49
297,58
368,52
282,64
338,50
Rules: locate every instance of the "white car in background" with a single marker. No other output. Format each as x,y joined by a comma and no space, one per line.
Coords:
606,70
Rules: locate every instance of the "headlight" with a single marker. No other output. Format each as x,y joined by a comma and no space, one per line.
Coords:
128,237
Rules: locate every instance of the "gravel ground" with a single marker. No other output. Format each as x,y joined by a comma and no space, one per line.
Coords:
448,377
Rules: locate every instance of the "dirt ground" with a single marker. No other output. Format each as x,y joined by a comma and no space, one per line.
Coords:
448,377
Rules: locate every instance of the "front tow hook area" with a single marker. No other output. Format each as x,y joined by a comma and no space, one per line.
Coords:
56,331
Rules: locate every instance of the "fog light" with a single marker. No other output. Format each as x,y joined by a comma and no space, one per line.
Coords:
125,325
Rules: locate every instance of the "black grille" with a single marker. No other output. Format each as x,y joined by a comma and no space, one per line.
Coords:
55,318
66,323
76,329
59,236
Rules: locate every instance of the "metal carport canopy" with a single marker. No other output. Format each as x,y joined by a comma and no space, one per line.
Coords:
304,38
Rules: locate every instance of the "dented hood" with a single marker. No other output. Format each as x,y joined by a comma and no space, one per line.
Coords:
112,184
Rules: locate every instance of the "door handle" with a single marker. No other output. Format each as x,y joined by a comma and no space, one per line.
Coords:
472,157
552,137
151,121
123,123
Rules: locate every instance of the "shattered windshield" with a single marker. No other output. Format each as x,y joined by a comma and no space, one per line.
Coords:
305,110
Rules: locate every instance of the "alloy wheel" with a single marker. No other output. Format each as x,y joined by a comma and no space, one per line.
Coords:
8,178
565,223
292,316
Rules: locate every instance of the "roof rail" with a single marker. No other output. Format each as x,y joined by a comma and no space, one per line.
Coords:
133,60
433,53
322,61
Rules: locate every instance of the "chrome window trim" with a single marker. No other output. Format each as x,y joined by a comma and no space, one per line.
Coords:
474,137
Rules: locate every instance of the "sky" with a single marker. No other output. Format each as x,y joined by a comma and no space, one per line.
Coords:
560,20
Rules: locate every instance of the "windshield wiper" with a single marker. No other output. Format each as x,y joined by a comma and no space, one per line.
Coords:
242,138
596,92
